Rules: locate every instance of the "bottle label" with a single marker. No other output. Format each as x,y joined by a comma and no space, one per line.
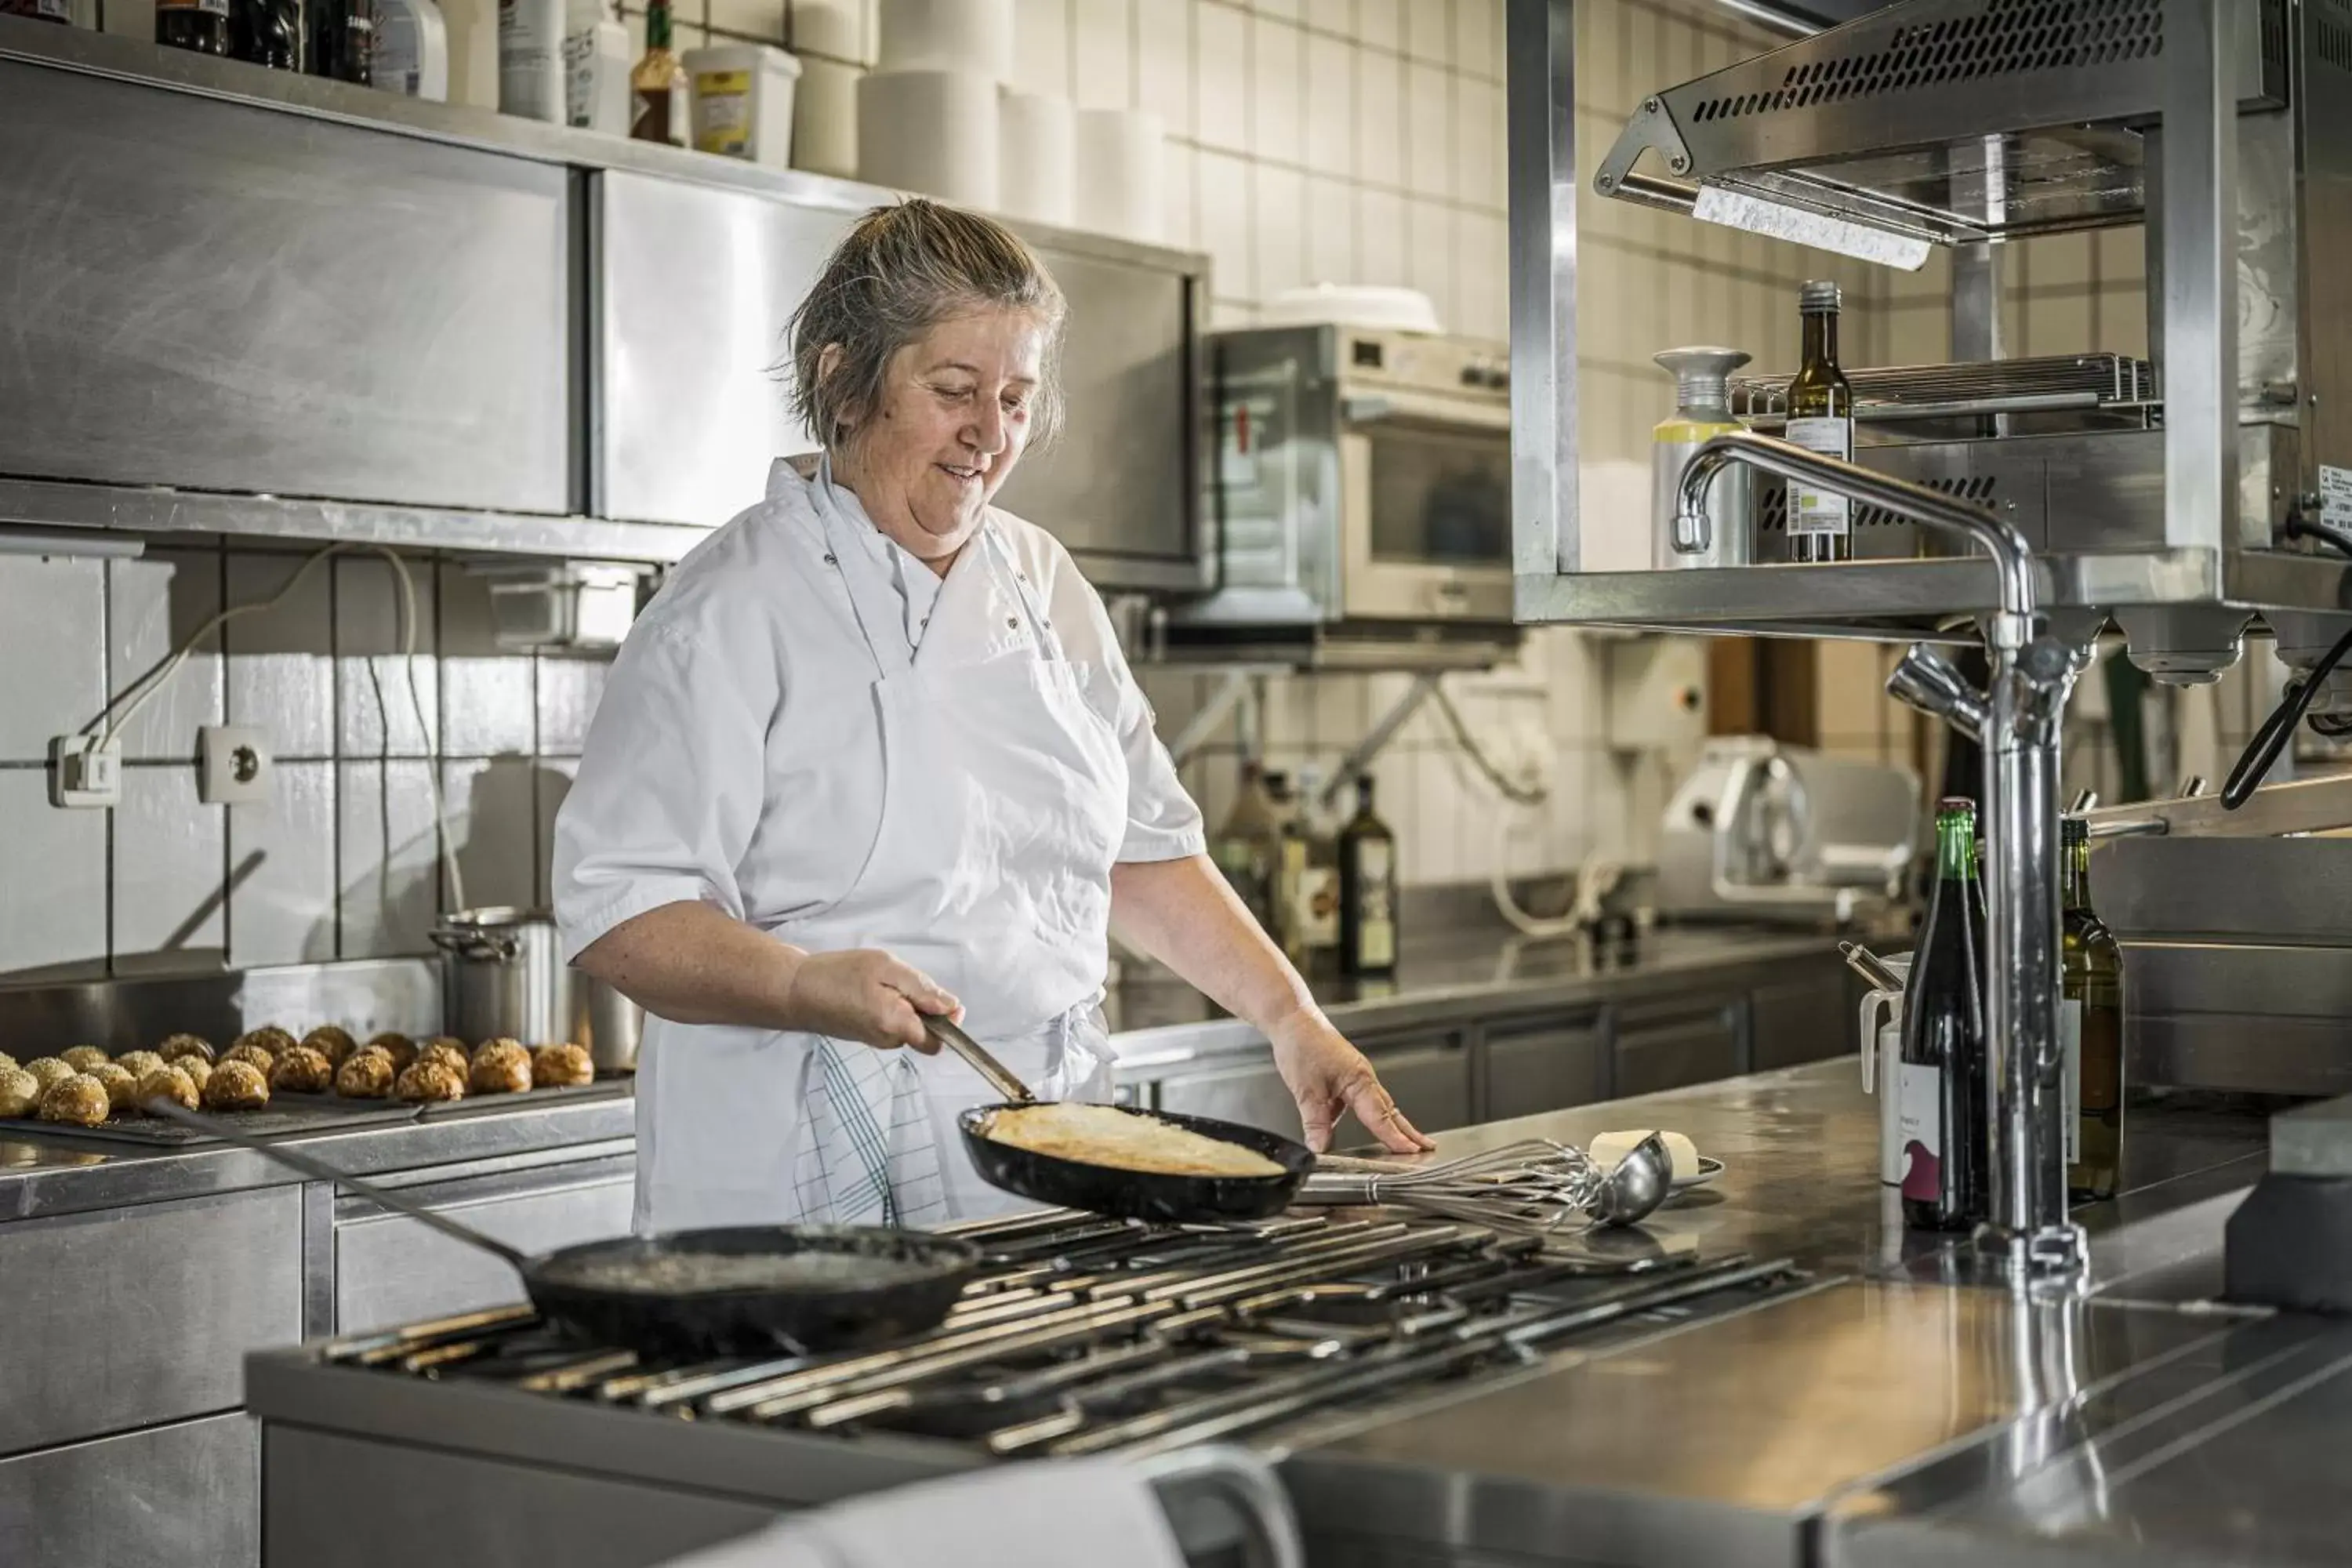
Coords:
1375,917
1820,511
1919,1120
202,8
2070,1101
1318,905
579,76
722,113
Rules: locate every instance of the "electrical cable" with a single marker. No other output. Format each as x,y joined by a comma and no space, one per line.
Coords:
106,729
2262,752
1494,775
2255,762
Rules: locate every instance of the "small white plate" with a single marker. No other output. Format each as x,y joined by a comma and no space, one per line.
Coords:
1708,1169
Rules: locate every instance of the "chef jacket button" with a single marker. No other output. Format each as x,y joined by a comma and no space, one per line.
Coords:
1012,623
830,560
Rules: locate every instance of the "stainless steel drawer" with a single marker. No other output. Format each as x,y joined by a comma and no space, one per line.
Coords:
1252,1094
390,1270
1660,1050
1532,1068
1428,1077
128,1317
188,1493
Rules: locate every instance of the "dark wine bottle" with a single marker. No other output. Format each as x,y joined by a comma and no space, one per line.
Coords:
265,33
341,40
1367,890
1945,1125
201,26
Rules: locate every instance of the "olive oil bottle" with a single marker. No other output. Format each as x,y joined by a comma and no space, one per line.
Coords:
2091,1025
1821,419
1367,890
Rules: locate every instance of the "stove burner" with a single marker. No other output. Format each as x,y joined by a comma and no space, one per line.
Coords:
1085,1336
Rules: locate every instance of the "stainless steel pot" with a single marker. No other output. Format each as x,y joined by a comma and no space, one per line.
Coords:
502,973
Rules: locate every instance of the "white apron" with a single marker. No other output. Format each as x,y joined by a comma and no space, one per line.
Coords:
1005,802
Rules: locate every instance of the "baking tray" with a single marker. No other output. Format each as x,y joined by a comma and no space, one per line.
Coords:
482,1104
152,1132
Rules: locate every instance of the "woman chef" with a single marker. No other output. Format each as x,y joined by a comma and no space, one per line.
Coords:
873,753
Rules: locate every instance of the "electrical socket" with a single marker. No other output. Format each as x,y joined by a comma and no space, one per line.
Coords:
83,775
233,765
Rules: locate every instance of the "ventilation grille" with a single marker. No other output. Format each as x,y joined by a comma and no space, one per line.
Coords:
2331,34
1772,507
2009,36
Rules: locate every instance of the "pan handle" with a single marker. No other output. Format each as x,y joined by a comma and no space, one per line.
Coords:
319,1170
946,1032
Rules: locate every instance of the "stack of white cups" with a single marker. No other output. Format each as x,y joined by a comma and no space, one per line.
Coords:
928,114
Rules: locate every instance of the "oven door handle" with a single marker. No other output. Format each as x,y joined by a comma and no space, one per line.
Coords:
1489,413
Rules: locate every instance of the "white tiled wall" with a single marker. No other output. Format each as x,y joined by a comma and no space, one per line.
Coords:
1358,140
342,860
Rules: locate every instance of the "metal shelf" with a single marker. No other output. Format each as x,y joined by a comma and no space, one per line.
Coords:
56,505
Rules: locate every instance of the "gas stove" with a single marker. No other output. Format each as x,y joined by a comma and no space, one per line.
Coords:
1085,1335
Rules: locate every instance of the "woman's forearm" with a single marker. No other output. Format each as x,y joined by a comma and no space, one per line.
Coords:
1184,914
692,963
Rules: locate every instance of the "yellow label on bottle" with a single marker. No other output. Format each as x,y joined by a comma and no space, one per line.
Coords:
722,113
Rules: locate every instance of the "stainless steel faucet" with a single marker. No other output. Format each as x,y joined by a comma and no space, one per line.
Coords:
2015,720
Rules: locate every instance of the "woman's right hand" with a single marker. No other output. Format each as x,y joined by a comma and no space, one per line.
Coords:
867,995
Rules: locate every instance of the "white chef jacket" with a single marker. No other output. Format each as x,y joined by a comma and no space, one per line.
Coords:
735,757
738,758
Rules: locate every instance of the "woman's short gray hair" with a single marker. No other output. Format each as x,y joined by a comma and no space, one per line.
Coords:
905,269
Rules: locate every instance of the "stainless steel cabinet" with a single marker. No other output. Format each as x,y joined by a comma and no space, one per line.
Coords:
1429,1077
1802,1019
1668,1045
123,1317
187,1493
1538,1065
392,1269
694,288
1121,488
221,297
1250,1092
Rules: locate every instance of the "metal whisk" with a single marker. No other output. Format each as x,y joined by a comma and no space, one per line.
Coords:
1536,1185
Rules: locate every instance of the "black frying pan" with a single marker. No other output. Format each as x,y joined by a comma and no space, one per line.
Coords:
1111,1189
874,1284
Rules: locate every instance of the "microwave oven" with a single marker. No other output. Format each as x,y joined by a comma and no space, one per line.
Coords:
1361,476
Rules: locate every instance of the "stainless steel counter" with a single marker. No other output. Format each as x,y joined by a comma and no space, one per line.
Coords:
1894,1385
1156,1020
43,1176
1890,1414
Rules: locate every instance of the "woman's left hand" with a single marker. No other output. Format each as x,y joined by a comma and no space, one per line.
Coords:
1328,1076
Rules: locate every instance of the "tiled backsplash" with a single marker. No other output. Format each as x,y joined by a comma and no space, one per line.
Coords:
1353,141
344,860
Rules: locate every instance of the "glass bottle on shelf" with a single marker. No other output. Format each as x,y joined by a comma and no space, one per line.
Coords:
657,84
1244,846
1821,419
265,33
1367,890
200,27
2091,1024
340,38
1946,1125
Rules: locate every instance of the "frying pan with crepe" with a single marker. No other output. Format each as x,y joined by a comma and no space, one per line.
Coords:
1064,1182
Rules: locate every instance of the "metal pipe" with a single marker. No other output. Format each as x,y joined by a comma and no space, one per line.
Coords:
2016,722
2012,560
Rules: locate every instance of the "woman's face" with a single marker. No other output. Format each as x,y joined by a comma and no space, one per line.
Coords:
952,420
